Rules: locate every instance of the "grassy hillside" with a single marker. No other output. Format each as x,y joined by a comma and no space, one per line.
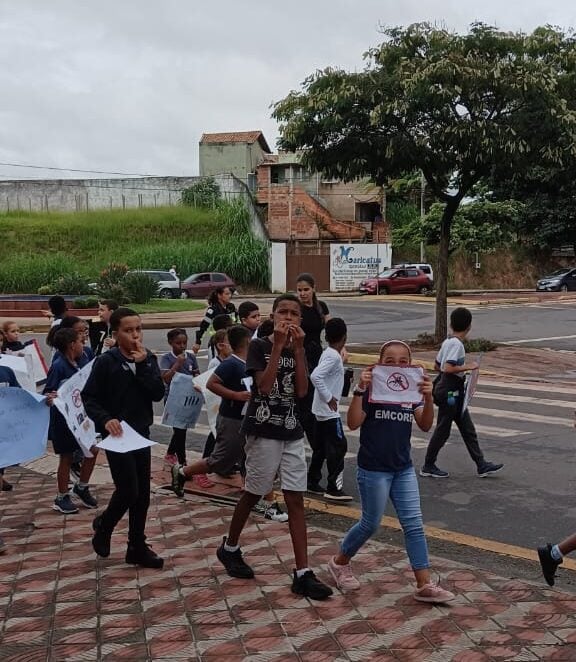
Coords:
37,248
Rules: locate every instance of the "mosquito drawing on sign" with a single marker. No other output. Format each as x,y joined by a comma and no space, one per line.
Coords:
397,382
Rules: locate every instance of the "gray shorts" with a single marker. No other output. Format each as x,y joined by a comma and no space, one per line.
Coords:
229,447
265,458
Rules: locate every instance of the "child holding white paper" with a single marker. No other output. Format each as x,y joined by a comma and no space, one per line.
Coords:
385,471
70,347
122,386
178,360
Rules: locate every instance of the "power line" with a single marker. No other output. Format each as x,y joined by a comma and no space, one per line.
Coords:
95,172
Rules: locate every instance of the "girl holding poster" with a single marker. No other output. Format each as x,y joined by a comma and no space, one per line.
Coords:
385,471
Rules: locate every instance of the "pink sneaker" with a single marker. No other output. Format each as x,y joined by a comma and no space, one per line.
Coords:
170,460
434,594
203,481
343,576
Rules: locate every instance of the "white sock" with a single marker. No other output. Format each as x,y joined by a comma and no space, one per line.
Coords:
555,553
181,471
230,548
81,485
302,572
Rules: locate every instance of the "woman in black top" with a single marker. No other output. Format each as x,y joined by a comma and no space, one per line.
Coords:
315,314
218,304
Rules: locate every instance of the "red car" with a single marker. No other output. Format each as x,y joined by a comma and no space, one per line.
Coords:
397,281
199,286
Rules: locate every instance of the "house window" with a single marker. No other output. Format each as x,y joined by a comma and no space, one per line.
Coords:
278,174
367,212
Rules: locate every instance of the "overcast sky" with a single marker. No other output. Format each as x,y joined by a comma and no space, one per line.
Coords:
130,86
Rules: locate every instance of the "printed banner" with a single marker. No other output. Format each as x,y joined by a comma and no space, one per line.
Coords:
183,404
211,399
350,264
396,385
24,421
129,440
70,405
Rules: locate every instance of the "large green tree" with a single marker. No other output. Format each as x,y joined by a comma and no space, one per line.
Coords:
451,105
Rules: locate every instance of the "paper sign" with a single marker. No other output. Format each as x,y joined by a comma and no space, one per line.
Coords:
471,383
396,385
130,440
70,405
211,399
21,366
183,404
39,369
24,421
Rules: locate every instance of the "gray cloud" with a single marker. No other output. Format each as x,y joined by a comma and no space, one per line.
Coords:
132,85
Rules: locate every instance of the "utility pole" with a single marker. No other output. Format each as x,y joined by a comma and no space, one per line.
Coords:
422,212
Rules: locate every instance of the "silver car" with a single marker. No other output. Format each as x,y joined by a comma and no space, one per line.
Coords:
168,284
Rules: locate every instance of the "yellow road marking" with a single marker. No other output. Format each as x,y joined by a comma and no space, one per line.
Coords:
437,533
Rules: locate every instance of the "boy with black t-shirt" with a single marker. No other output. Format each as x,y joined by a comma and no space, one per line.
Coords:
226,382
275,442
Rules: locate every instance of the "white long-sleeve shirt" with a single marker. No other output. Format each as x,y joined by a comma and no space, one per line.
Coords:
328,380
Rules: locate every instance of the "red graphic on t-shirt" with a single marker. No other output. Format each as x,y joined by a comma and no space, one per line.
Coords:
397,382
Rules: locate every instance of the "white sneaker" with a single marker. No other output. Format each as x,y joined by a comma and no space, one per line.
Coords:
343,576
434,594
261,507
275,513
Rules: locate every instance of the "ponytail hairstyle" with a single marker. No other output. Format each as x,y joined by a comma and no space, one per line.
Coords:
309,280
213,298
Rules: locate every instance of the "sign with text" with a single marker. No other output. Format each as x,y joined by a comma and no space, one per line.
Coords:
70,405
24,420
183,404
396,385
352,263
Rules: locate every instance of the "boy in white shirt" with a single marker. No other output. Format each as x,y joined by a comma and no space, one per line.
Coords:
329,442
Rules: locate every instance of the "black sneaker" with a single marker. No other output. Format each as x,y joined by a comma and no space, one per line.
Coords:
234,563
178,481
432,471
337,495
549,565
315,488
143,555
488,468
101,538
83,493
310,587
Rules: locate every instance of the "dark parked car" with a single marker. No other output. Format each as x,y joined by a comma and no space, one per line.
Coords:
199,286
563,280
397,281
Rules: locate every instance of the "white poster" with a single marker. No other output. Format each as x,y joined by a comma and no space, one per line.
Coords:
39,368
183,404
211,399
396,385
128,441
471,384
352,263
70,405
21,365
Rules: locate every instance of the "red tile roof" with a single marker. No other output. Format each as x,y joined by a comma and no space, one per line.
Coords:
236,137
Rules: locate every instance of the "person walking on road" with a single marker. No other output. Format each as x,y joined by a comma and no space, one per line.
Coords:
449,398
218,304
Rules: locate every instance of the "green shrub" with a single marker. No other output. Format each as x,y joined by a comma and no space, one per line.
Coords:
479,345
205,193
44,290
110,283
139,287
85,302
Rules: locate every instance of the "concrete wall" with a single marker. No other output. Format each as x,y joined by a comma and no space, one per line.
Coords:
239,159
277,267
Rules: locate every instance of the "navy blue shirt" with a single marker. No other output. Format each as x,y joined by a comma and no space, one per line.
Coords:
385,436
231,373
60,370
7,377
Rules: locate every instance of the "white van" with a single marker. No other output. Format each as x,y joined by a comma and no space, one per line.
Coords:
426,268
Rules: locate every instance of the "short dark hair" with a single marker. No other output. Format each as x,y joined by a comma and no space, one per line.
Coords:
111,304
335,330
460,319
118,315
238,335
57,305
174,333
245,308
221,322
286,297
63,338
265,329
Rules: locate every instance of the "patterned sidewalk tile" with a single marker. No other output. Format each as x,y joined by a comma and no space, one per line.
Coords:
59,603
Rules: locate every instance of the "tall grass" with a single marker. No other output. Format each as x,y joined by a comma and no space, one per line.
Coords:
37,248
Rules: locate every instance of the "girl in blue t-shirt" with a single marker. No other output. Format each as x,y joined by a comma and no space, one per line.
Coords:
385,471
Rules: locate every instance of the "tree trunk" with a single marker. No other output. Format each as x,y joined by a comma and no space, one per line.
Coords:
441,280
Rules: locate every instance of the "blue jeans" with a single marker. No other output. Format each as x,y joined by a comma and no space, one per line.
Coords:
402,487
